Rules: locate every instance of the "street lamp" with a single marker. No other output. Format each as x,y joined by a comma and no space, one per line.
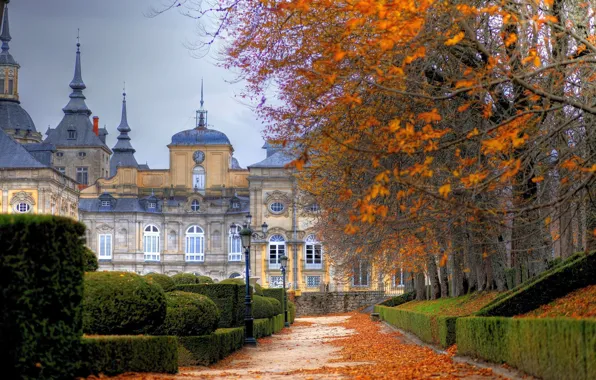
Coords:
246,233
284,263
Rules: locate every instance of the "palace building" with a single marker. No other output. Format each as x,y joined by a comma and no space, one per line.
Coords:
181,219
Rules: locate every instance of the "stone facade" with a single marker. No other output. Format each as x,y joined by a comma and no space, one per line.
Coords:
83,164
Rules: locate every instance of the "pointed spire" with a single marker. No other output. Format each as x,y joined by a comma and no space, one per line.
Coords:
202,113
77,99
5,36
123,128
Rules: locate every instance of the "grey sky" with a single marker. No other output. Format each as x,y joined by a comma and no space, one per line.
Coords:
118,43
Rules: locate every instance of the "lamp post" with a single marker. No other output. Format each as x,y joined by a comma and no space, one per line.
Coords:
246,233
284,263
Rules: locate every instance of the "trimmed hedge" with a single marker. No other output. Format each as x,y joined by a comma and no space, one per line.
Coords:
439,330
162,280
205,280
262,307
121,303
277,293
208,349
267,326
188,314
90,261
396,301
291,311
547,348
41,287
229,298
277,308
185,279
113,355
574,273
256,289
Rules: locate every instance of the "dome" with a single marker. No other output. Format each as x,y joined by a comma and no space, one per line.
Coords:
13,116
200,136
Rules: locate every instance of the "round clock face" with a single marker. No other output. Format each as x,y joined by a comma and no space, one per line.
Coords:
198,156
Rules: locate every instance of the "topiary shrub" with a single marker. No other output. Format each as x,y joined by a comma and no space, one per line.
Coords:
162,280
41,287
90,262
205,280
188,314
185,279
262,307
291,311
277,309
229,299
257,289
121,303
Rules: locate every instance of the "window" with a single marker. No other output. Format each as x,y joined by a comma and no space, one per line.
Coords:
72,134
361,274
61,169
235,205
195,205
198,178
314,208
314,253
195,244
106,203
10,86
234,244
105,246
276,282
59,154
277,248
22,207
82,175
398,279
313,281
82,154
276,207
151,205
2,85
151,243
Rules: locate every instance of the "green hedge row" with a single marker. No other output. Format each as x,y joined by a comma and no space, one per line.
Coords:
277,293
112,355
574,273
439,330
547,348
188,314
208,349
229,298
291,311
41,287
396,301
267,326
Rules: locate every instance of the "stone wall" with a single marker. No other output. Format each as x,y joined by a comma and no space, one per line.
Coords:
318,303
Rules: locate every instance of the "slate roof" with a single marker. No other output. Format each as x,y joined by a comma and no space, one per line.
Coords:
200,136
42,152
13,155
235,163
127,205
278,159
123,150
76,117
13,116
5,57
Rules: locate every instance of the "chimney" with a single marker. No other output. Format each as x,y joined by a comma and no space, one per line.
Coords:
96,125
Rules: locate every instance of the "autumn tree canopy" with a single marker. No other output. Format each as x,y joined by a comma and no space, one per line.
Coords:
454,133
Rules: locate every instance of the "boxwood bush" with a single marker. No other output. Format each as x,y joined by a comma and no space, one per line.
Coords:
185,279
121,303
162,280
41,287
256,288
208,349
262,307
90,260
188,314
229,299
277,309
112,355
396,301
291,311
205,280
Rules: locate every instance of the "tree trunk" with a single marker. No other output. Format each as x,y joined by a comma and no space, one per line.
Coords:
420,286
433,274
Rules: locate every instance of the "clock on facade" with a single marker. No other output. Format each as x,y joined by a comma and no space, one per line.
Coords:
198,156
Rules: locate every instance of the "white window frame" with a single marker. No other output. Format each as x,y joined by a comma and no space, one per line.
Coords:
84,172
152,205
235,244
361,265
283,207
104,246
312,245
309,284
106,203
195,205
199,178
194,247
276,249
276,282
151,243
22,210
314,207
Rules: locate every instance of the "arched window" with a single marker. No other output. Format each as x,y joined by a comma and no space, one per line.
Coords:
314,253
277,249
195,205
234,244
195,244
151,243
198,178
22,207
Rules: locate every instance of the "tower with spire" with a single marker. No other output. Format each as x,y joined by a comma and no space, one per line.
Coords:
14,120
81,150
202,112
123,150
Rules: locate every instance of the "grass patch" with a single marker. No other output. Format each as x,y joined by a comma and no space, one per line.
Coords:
578,305
451,307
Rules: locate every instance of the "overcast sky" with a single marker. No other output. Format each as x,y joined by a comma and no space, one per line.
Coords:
119,43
